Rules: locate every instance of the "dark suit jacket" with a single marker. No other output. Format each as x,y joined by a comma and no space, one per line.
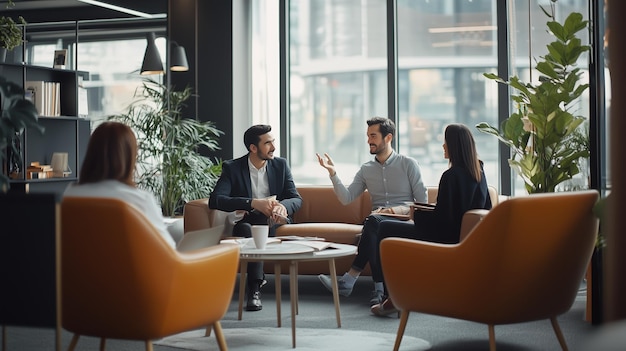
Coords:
233,190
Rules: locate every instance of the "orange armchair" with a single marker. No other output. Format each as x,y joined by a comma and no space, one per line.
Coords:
523,262
121,280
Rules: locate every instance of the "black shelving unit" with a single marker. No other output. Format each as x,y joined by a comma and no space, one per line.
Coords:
65,133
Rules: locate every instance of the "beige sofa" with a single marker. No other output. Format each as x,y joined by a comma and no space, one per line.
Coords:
321,215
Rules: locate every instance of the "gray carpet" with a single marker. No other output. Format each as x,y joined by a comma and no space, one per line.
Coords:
317,312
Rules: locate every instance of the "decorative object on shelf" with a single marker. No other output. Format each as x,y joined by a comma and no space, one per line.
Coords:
152,59
39,171
60,167
10,33
14,159
547,139
169,163
60,59
18,113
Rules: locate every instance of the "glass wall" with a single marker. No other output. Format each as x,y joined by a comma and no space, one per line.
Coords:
338,64
338,53
529,36
444,48
338,74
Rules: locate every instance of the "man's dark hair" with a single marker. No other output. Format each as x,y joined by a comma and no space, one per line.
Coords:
386,125
252,135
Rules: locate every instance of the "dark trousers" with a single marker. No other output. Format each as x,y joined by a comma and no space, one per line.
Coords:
243,228
393,229
368,245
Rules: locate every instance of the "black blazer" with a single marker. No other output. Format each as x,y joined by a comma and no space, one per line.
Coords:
233,190
458,193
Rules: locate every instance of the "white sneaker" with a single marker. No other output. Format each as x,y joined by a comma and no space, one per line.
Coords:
343,288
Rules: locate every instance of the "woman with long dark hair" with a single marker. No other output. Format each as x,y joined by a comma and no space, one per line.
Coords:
462,187
108,170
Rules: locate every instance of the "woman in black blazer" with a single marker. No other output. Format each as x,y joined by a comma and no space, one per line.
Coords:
462,187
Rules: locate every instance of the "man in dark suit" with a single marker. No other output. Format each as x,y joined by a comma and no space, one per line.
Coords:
260,189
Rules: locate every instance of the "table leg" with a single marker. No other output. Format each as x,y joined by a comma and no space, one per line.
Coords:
297,291
293,291
333,279
278,292
242,274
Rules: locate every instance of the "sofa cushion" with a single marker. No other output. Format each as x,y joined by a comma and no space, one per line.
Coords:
320,205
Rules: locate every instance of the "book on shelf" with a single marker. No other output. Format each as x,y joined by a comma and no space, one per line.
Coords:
36,87
46,96
37,171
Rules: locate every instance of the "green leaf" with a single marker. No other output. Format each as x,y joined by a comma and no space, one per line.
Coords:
169,163
546,151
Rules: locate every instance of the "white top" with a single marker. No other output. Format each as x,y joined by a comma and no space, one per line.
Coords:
258,181
140,199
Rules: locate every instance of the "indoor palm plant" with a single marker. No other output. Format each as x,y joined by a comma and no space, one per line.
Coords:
546,137
18,114
169,163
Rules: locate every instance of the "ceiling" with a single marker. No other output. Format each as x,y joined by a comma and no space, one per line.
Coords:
35,11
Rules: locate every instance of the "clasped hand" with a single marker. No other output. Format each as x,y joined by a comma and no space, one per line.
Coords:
271,208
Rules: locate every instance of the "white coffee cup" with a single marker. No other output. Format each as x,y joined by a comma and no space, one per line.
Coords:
259,235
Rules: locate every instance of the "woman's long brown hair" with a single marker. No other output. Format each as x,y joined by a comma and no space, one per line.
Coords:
111,154
462,149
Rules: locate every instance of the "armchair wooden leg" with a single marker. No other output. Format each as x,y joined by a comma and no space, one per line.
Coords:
103,343
149,345
207,331
492,338
4,337
404,317
559,333
73,342
219,335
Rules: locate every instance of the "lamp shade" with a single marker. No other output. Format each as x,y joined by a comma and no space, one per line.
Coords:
178,59
152,59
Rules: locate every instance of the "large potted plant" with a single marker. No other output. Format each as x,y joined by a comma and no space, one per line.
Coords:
10,33
169,163
546,137
18,114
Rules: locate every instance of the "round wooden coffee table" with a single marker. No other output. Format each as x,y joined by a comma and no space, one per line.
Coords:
293,253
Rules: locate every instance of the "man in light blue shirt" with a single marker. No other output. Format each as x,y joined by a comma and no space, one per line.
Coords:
392,180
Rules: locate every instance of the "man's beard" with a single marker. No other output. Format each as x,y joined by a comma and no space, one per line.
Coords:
376,149
264,157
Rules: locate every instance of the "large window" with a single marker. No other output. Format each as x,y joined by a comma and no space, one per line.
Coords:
339,77
528,39
339,57
338,63
110,52
444,48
